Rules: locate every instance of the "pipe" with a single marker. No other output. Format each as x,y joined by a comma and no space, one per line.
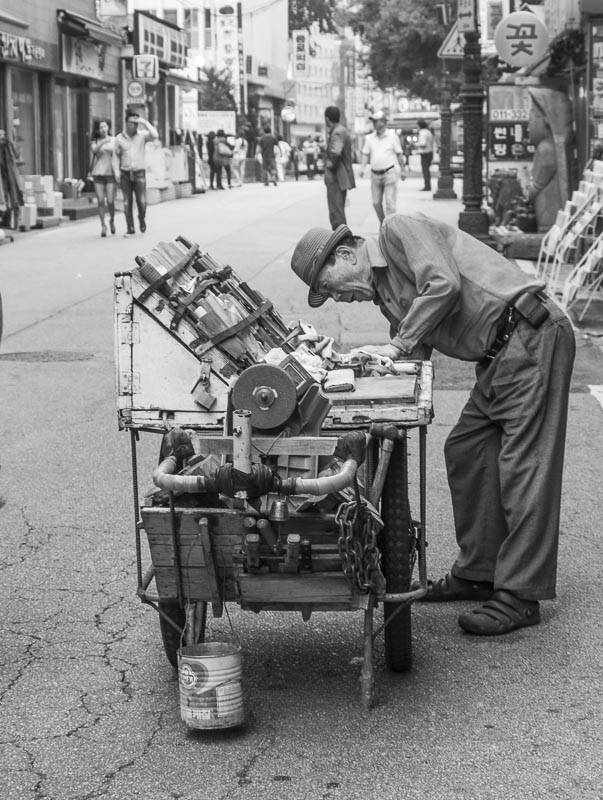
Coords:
241,441
329,484
163,476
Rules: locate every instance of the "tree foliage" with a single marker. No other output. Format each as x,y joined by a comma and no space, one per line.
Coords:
217,91
302,13
404,37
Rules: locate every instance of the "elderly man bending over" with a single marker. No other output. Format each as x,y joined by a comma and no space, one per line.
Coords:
442,289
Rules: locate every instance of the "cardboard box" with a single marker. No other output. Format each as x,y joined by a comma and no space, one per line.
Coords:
58,204
44,183
44,199
29,215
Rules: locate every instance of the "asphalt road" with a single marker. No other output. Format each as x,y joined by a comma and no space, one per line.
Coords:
90,704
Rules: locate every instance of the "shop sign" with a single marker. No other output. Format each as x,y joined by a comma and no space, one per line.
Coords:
135,90
508,119
300,54
83,57
466,16
112,8
156,37
214,120
146,68
521,39
20,48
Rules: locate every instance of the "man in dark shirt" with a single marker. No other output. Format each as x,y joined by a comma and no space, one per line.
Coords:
339,173
266,145
441,288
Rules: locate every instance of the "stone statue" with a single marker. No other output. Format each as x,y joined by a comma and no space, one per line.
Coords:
550,131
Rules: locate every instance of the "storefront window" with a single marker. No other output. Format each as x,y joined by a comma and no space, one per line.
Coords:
23,93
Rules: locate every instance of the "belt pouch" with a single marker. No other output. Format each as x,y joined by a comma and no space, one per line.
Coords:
531,308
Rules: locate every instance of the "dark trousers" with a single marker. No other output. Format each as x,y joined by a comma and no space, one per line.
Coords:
426,159
213,174
134,184
504,459
269,165
336,203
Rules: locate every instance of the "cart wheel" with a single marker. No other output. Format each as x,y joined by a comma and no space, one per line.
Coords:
397,539
169,635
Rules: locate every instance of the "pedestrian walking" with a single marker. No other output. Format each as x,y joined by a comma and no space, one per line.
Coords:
266,148
103,168
425,150
283,157
210,147
222,158
239,158
310,151
130,154
339,171
383,151
440,288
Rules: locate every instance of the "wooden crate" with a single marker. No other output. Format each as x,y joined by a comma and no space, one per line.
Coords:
205,569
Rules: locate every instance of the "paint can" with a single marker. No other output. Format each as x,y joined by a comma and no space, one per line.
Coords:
211,691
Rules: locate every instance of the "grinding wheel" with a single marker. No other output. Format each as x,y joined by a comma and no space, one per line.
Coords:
268,393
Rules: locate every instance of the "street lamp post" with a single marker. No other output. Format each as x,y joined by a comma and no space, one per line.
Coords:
445,189
473,219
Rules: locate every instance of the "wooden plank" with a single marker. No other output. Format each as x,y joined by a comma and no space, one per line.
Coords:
294,589
211,568
298,445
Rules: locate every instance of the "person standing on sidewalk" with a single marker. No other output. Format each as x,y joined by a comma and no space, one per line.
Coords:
425,150
103,174
130,154
266,146
382,149
339,172
440,288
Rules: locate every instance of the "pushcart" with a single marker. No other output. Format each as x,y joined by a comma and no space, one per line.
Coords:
270,492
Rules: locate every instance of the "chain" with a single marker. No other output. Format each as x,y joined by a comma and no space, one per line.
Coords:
359,525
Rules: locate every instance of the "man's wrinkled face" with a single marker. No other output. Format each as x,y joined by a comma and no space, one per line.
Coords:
344,280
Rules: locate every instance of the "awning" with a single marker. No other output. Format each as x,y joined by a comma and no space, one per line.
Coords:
85,28
180,80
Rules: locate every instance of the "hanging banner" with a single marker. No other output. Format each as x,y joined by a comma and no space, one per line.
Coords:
521,39
300,54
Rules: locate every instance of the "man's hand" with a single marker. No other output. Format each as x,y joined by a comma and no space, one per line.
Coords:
384,350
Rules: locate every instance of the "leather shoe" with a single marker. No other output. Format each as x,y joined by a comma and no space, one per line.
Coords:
143,226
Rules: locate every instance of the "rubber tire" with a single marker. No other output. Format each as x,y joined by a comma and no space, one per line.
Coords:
169,635
396,546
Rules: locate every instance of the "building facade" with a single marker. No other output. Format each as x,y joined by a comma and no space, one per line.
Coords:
59,72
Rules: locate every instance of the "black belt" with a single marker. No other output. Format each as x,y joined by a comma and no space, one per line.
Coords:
382,171
530,306
134,172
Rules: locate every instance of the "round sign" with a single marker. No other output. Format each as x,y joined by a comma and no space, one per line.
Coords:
288,114
521,39
135,89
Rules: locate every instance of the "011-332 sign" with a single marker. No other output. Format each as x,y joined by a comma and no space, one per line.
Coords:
521,39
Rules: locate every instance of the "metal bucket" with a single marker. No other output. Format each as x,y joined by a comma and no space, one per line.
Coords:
211,692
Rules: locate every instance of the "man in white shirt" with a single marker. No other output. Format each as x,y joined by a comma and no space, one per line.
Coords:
425,150
130,155
382,149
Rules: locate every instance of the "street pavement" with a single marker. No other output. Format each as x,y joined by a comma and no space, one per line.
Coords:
89,703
